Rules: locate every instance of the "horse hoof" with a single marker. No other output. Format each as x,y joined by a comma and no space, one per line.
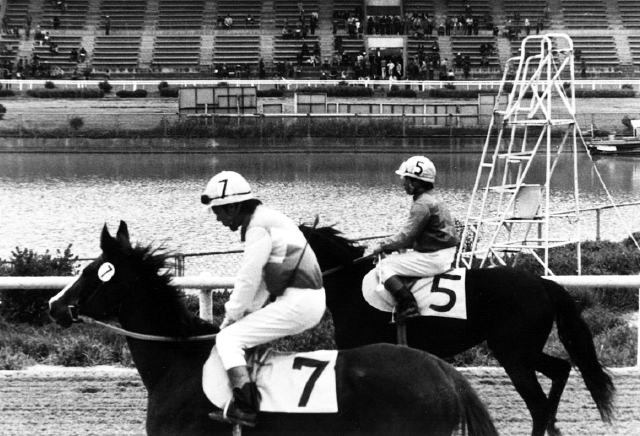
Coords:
554,431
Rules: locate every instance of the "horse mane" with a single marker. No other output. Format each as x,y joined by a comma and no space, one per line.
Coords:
341,248
154,264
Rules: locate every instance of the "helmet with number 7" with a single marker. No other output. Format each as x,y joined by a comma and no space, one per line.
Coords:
225,188
418,167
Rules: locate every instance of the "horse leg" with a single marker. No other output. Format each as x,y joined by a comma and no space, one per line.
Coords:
557,370
523,376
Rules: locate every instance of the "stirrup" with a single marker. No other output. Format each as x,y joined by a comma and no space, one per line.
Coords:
223,416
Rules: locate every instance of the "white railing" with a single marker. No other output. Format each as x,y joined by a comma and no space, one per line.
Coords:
207,284
421,85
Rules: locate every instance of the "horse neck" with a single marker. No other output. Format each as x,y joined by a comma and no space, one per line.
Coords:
153,359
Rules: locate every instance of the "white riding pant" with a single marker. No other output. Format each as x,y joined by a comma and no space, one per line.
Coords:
416,264
291,313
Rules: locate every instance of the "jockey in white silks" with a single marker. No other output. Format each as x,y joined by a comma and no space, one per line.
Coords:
429,233
277,263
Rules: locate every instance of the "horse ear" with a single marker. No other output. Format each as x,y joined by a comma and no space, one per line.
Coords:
108,243
123,235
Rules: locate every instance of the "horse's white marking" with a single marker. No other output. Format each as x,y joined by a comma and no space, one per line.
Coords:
106,271
60,294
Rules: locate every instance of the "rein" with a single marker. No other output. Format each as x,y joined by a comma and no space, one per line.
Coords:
87,320
353,262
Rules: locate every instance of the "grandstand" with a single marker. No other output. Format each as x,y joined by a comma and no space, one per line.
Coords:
188,36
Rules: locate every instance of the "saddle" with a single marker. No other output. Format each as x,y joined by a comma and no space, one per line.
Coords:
287,382
443,295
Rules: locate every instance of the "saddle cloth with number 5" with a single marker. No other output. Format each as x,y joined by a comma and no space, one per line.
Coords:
443,295
287,382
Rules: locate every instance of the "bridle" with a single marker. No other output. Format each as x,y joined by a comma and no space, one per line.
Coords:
78,319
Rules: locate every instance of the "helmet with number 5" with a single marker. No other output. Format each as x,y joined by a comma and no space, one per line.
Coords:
225,188
418,167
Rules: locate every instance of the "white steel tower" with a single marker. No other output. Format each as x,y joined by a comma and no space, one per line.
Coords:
510,211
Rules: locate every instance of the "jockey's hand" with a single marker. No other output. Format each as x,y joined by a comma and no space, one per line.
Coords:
226,322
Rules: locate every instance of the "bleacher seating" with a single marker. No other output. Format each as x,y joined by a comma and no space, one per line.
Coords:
116,51
420,6
16,11
585,14
73,17
236,49
124,14
288,49
634,45
598,51
238,11
180,15
630,13
176,51
478,7
531,9
288,9
62,59
470,46
8,50
413,45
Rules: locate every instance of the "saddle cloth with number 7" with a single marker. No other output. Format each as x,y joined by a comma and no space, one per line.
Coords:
287,382
443,295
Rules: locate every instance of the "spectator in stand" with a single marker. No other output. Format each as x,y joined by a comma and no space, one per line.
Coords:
262,71
46,39
313,22
56,22
5,25
107,25
466,68
583,69
73,55
82,54
539,25
527,26
248,21
228,22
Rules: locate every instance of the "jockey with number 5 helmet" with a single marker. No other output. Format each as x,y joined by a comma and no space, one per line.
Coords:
429,233
278,264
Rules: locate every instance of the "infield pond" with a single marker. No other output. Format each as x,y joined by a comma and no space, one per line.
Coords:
48,201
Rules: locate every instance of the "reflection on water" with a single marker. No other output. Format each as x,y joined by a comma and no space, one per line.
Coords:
50,200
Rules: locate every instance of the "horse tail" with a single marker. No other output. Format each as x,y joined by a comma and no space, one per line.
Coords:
474,416
578,341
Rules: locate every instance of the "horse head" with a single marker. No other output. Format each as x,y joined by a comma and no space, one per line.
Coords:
126,282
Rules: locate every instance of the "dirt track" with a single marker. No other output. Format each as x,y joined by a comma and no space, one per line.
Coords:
106,402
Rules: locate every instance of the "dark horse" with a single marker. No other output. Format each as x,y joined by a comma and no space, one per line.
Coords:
382,389
511,309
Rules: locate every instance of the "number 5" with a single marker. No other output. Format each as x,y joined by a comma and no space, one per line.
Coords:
319,366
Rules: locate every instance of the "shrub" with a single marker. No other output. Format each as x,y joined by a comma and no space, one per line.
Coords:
138,93
403,93
76,123
455,93
23,305
65,93
270,93
162,85
169,92
338,91
627,86
3,110
105,86
49,84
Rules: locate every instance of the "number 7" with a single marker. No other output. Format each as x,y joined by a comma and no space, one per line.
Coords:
319,366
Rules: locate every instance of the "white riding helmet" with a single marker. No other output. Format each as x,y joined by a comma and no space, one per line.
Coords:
225,188
418,167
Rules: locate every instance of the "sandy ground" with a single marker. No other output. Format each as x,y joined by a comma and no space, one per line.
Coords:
104,402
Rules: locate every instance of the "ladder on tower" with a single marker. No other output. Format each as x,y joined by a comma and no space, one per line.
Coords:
510,210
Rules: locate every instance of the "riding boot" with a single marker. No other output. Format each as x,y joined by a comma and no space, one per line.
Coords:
243,407
407,306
